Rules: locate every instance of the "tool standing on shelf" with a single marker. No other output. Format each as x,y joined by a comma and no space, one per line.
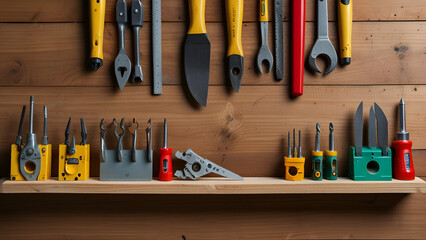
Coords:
330,171
264,54
74,160
294,163
166,170
97,22
345,30
317,157
403,168
136,20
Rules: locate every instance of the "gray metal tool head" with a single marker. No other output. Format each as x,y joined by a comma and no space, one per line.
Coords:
402,134
136,20
331,138
317,137
122,64
264,55
358,130
323,46
382,129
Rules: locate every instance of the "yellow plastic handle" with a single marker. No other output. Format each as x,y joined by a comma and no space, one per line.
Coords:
263,10
197,12
345,27
97,20
234,19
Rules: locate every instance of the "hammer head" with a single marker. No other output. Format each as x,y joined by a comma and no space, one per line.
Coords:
323,47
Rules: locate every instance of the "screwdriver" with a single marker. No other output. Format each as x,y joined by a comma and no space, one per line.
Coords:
403,168
317,156
166,171
330,172
345,30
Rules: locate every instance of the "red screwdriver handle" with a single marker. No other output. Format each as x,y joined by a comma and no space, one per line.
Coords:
403,168
166,170
298,32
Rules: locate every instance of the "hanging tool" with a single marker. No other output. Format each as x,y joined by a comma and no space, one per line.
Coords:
345,30
166,170
235,57
156,47
279,49
122,64
264,54
197,167
317,157
294,162
97,22
133,128
119,138
330,171
19,137
298,52
74,160
197,53
323,46
136,20
370,163
403,168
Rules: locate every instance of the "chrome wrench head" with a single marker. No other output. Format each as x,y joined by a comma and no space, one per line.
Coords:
264,54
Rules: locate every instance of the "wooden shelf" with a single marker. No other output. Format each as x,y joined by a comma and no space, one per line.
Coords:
250,185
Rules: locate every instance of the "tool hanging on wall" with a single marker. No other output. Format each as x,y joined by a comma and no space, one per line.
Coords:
74,160
136,20
197,167
235,57
122,64
264,55
279,48
298,51
403,168
294,162
156,48
166,169
330,171
370,163
317,157
345,30
125,165
323,46
32,161
197,52
97,22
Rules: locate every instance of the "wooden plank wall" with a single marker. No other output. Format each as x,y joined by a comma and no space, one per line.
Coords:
44,52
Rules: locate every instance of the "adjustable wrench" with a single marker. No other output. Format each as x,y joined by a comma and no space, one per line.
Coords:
323,46
136,20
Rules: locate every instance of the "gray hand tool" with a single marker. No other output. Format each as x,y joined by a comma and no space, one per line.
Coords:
372,129
289,146
358,130
264,54
149,140
44,140
122,64
30,157
19,137
156,47
323,46
299,150
136,20
317,138
197,167
119,138
331,138
382,130
133,128
279,49
103,148
83,132
70,146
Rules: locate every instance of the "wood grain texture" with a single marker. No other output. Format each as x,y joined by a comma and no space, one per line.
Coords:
64,216
245,132
57,55
176,10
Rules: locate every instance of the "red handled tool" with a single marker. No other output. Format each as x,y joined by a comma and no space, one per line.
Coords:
166,171
298,46
403,168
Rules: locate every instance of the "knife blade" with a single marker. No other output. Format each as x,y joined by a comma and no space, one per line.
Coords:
358,129
382,129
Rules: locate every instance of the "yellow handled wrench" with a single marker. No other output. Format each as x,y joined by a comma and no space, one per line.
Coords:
264,54
345,30
97,21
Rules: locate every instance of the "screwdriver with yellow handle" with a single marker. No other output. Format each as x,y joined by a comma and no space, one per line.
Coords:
97,21
330,171
345,30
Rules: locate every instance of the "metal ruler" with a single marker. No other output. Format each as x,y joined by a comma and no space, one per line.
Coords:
279,59
156,52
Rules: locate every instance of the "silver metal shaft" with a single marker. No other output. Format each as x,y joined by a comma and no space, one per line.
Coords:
289,145
331,138
299,151
44,140
294,142
317,138
165,134
402,134
31,114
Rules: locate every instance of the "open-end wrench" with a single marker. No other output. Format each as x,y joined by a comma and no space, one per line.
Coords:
122,65
264,54
323,46
136,20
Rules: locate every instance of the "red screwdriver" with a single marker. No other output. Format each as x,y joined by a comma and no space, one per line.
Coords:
166,171
403,168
